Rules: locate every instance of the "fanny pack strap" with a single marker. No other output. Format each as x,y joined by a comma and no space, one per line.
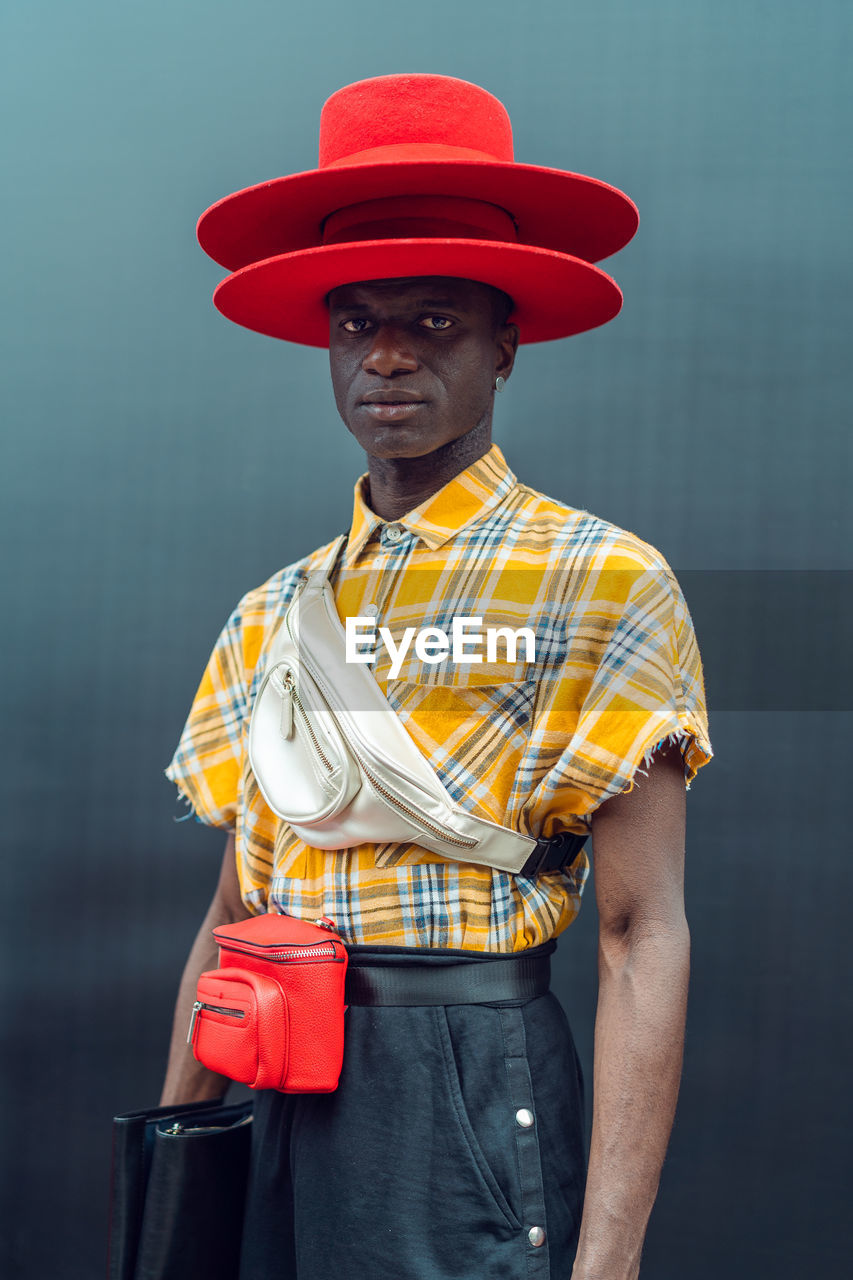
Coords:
328,566
326,636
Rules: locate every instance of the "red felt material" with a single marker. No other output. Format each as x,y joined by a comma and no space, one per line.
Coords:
471,219
416,135
555,295
567,212
406,109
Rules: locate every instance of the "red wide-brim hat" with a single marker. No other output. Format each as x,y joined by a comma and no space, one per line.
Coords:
416,177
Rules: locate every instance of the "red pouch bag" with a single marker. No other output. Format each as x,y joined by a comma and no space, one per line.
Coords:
272,1014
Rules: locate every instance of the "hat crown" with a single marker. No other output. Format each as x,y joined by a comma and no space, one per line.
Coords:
413,111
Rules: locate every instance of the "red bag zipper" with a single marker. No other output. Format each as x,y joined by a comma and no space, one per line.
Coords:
198,1005
312,951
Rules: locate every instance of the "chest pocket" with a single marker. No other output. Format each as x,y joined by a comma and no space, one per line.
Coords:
472,725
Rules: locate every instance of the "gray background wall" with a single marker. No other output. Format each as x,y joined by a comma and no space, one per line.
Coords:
158,462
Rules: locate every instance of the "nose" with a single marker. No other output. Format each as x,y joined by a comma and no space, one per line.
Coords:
389,353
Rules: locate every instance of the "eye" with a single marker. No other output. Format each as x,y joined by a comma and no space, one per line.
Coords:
356,325
437,322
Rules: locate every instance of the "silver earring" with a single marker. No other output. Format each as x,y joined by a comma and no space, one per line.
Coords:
500,383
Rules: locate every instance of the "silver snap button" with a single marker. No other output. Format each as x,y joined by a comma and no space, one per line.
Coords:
370,611
524,1118
393,533
536,1236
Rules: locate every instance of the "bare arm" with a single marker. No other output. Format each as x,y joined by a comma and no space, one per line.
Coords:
187,1080
643,970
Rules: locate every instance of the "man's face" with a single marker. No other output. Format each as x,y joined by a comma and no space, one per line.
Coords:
414,361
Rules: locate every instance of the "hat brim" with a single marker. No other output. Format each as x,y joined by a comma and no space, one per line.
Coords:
555,295
552,208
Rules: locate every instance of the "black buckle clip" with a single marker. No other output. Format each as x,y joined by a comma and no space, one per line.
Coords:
553,854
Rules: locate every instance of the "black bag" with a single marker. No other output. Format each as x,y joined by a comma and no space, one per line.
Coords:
177,1191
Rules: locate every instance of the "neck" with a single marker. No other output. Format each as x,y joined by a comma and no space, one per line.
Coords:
398,485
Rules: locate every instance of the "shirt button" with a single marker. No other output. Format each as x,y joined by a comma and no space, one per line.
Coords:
524,1118
393,532
536,1236
370,611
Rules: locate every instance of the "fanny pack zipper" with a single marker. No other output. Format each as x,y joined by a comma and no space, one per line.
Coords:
464,842
285,687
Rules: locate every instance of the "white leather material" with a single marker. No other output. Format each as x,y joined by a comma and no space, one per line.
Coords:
334,761
291,726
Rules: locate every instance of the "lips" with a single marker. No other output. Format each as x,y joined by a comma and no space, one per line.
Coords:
392,397
391,410
391,406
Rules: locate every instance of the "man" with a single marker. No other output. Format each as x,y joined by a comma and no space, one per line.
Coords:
454,1143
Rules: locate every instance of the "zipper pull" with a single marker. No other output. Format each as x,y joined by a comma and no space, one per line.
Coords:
287,705
193,1020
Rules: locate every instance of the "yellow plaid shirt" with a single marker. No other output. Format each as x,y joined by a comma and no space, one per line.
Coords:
534,745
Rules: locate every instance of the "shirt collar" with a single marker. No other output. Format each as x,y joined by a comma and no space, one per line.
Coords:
463,500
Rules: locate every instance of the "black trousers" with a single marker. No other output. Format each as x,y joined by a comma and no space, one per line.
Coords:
453,1147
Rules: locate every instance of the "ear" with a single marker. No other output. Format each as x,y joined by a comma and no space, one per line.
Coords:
507,345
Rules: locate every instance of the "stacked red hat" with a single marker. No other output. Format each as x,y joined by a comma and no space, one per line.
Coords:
416,177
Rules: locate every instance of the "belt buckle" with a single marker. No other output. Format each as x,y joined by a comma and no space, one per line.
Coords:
566,842
537,859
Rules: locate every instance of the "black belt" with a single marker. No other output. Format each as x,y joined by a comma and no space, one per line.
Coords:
420,976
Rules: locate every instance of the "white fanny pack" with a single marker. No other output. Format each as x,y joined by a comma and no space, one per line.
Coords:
334,761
